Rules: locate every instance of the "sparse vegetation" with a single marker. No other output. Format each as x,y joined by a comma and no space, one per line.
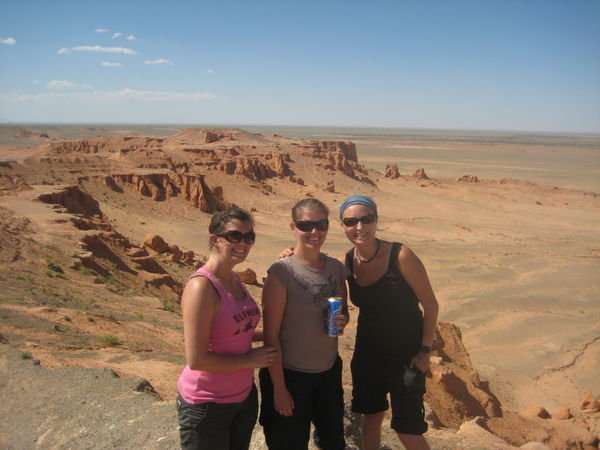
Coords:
53,266
26,355
167,305
84,270
49,291
76,302
109,340
108,279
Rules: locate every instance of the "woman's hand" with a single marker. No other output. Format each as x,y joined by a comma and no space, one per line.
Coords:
421,362
262,356
339,323
287,252
284,403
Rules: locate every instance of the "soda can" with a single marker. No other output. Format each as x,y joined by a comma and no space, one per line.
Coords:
334,307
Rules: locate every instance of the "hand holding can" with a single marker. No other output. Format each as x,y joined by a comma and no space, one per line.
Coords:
335,305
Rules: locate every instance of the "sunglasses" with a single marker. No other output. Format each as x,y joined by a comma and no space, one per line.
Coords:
353,221
235,237
309,225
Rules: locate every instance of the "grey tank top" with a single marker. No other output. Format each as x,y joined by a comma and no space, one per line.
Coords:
305,344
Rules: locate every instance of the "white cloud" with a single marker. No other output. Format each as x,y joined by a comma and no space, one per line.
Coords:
97,48
112,96
159,61
102,30
117,35
8,41
131,37
110,64
209,71
64,84
157,96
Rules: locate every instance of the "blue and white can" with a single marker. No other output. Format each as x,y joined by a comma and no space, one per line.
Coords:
334,307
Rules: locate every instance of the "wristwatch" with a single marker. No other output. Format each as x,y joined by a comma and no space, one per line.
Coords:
425,349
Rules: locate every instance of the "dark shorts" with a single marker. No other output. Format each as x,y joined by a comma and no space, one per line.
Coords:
373,378
318,398
217,426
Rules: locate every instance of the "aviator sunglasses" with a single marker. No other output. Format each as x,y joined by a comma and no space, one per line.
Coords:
309,225
353,221
235,237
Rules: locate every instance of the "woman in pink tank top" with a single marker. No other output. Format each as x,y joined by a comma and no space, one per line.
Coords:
217,402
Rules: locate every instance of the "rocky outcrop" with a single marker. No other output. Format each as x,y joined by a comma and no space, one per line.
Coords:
187,257
339,162
525,432
536,411
468,179
476,430
160,186
13,183
158,246
81,146
112,184
420,174
247,276
256,168
148,264
563,414
391,171
340,156
346,148
155,243
454,391
136,252
589,403
455,394
164,283
175,252
206,153
74,200
210,137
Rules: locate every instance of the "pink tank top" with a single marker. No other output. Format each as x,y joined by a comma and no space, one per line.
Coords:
230,333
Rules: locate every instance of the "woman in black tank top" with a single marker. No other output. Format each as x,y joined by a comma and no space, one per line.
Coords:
396,323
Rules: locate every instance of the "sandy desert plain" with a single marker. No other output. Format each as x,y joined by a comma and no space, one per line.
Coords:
512,251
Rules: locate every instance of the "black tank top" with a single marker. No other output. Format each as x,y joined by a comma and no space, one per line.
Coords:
390,322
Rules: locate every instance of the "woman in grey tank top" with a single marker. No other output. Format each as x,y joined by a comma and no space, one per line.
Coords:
305,384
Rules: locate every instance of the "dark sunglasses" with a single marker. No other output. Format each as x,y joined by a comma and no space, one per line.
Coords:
309,225
235,237
353,221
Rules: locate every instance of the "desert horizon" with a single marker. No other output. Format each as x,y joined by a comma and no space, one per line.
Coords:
506,225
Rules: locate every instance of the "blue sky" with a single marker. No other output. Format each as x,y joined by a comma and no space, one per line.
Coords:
481,64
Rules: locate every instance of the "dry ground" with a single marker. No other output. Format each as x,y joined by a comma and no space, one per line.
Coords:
514,264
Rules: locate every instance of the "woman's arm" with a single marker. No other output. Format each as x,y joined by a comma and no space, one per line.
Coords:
258,335
200,303
274,299
414,273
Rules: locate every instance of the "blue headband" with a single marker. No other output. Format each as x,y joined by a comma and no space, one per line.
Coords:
358,200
